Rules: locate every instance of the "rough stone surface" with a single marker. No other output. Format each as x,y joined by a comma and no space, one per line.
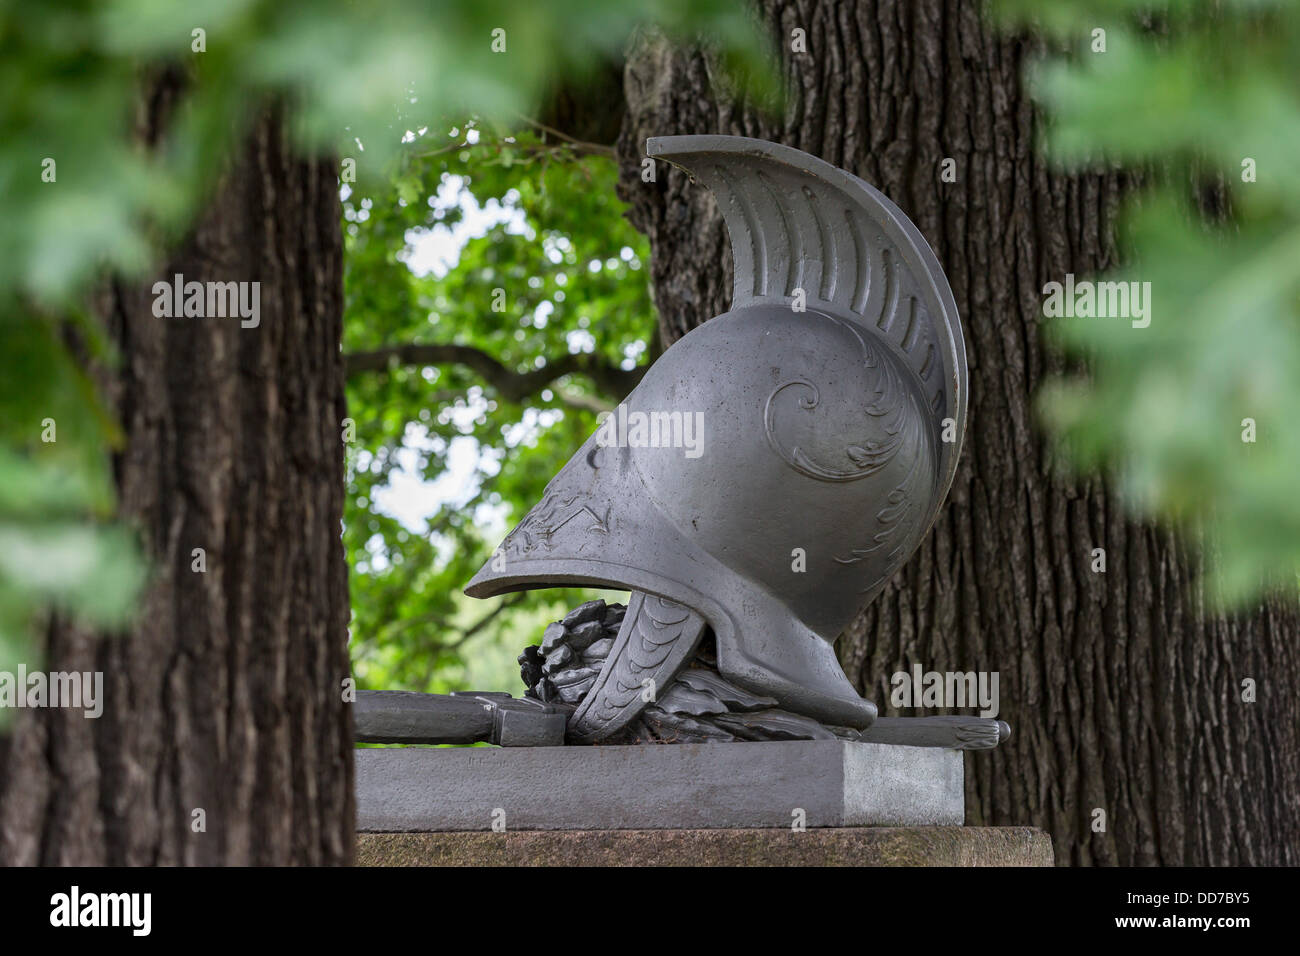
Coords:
719,785
844,846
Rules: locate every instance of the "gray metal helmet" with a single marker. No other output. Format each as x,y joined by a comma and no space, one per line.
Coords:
825,397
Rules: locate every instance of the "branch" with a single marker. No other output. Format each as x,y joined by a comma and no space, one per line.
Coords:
443,626
513,386
506,603
577,145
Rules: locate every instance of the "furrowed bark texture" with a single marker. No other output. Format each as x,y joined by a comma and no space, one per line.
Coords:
1122,688
226,696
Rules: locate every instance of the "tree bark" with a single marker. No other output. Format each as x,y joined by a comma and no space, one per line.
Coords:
1123,688
226,696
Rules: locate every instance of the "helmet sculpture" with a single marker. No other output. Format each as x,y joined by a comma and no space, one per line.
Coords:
832,405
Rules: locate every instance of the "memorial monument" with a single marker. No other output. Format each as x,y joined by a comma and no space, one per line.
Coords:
832,406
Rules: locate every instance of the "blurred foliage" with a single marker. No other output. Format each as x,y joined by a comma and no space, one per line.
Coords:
54,554
570,273
1204,99
90,189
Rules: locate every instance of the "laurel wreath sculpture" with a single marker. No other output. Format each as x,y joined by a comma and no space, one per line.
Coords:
698,705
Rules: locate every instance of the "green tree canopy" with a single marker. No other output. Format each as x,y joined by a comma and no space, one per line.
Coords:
542,321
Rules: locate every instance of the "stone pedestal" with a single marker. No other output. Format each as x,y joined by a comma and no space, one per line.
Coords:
777,803
822,783
834,846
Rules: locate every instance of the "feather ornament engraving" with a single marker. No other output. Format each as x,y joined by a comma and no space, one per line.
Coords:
887,406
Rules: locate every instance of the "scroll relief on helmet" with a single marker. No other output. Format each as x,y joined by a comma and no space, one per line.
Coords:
826,408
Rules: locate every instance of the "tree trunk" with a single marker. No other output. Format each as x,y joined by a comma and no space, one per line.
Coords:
1123,690
226,697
